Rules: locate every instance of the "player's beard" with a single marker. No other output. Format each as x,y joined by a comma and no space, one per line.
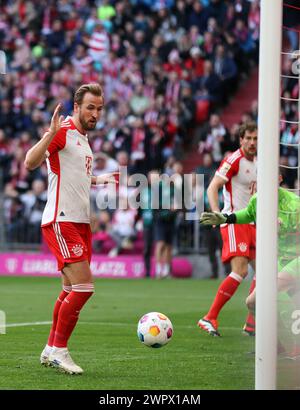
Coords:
250,152
87,126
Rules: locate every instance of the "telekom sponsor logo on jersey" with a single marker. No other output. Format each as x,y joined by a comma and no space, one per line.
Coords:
88,165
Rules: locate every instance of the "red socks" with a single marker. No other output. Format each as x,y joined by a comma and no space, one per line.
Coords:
66,290
225,292
69,312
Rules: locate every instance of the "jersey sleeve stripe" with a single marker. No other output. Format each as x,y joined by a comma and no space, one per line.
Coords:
233,157
222,176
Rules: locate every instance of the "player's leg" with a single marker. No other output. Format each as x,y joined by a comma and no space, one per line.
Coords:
288,277
250,301
148,239
168,240
249,326
285,283
239,270
167,260
159,257
289,303
118,241
58,249
164,238
212,242
80,276
236,249
76,240
66,289
226,290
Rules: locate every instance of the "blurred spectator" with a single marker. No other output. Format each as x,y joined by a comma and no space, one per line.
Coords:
209,84
214,138
21,54
100,227
7,118
138,101
34,203
98,43
16,226
198,16
147,214
207,169
195,63
289,149
106,11
187,109
164,224
123,227
244,37
225,68
104,164
5,159
211,236
291,20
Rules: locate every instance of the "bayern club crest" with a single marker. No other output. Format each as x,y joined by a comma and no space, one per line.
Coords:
242,246
77,250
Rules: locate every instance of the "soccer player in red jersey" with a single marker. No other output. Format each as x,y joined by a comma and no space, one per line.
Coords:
66,218
237,176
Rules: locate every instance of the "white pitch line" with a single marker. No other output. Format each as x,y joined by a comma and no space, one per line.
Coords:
81,323
27,324
105,324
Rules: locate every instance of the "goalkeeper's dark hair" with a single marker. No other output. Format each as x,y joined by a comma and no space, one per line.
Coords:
249,126
93,88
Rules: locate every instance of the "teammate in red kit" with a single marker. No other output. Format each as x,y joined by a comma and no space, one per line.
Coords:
66,218
237,176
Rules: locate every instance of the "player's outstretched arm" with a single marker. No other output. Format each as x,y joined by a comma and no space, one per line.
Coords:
213,192
110,178
37,154
216,218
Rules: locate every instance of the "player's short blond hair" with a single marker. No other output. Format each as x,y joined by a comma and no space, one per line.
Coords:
93,88
249,126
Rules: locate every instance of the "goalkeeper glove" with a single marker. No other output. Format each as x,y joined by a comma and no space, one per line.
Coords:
216,218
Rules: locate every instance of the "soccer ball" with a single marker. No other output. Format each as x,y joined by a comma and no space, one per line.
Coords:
154,329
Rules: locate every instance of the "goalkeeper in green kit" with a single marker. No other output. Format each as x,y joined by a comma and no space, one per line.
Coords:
288,242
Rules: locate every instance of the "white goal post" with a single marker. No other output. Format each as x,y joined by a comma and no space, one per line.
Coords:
267,199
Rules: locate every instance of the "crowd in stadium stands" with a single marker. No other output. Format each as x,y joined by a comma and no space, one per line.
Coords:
167,68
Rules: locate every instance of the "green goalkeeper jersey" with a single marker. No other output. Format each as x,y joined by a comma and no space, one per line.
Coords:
288,219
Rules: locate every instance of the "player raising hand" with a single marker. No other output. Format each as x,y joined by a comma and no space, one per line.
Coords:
66,218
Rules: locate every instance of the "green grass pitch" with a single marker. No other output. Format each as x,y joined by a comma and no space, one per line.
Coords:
105,343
